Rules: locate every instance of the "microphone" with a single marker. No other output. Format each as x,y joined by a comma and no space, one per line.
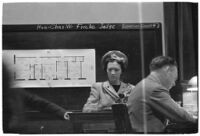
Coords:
121,96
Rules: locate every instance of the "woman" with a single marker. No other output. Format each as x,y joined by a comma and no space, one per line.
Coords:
104,94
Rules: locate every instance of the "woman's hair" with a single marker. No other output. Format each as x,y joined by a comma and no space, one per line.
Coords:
160,61
112,56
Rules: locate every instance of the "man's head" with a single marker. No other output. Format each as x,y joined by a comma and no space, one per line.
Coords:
167,67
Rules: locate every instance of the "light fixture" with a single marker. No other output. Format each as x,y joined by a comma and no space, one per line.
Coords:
192,84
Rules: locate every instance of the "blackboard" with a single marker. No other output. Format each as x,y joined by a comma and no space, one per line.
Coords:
139,41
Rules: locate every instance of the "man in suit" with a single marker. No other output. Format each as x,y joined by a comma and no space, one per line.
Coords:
150,104
15,101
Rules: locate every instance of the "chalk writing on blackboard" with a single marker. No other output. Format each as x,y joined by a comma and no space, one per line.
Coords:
76,27
81,27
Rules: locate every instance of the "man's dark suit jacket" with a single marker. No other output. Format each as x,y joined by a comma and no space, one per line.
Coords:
16,102
150,104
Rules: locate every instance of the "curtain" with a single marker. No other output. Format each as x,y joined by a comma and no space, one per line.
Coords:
181,36
181,41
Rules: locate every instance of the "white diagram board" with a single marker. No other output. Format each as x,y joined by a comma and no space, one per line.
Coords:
51,68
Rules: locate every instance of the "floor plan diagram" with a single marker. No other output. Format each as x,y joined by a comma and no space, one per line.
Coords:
50,68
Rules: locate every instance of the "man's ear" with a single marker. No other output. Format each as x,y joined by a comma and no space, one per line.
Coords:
166,68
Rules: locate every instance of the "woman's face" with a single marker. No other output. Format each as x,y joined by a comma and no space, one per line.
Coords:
114,72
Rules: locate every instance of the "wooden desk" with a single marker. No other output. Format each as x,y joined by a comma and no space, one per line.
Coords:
98,122
35,122
182,128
